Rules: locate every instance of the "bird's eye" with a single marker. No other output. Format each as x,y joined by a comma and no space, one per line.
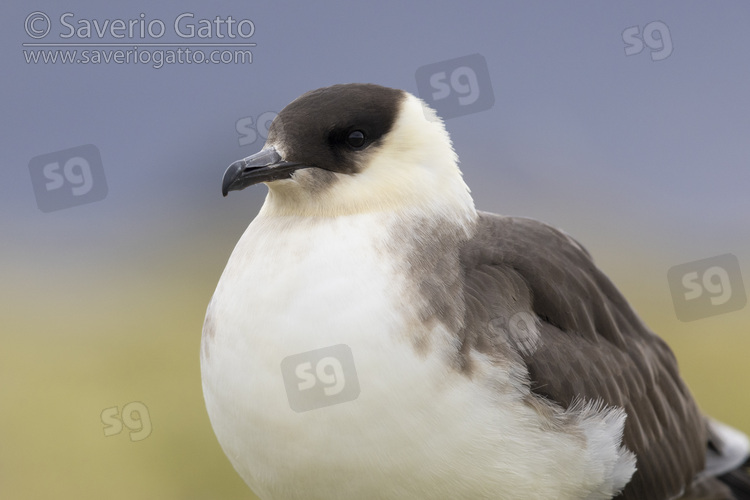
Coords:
356,139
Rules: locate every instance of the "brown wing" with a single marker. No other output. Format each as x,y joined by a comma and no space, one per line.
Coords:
591,345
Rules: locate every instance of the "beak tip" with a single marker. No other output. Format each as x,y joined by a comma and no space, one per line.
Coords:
230,176
264,166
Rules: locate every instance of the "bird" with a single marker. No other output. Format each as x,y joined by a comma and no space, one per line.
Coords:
375,336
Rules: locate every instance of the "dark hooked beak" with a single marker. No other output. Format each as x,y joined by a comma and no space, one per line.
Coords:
264,166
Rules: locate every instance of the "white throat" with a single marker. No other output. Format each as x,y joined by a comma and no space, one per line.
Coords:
414,169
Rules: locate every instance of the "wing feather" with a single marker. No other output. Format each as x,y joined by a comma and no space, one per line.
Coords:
590,345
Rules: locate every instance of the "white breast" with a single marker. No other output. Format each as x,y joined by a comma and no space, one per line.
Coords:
415,429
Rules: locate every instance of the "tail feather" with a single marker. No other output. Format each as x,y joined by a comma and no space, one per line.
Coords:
738,481
727,472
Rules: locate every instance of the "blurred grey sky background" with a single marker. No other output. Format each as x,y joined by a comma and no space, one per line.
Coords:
629,144
642,157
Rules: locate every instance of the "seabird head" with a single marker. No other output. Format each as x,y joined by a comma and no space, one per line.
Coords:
353,148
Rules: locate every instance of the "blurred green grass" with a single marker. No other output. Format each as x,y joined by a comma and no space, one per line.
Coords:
73,346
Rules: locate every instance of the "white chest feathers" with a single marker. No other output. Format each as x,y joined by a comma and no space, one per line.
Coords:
315,389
